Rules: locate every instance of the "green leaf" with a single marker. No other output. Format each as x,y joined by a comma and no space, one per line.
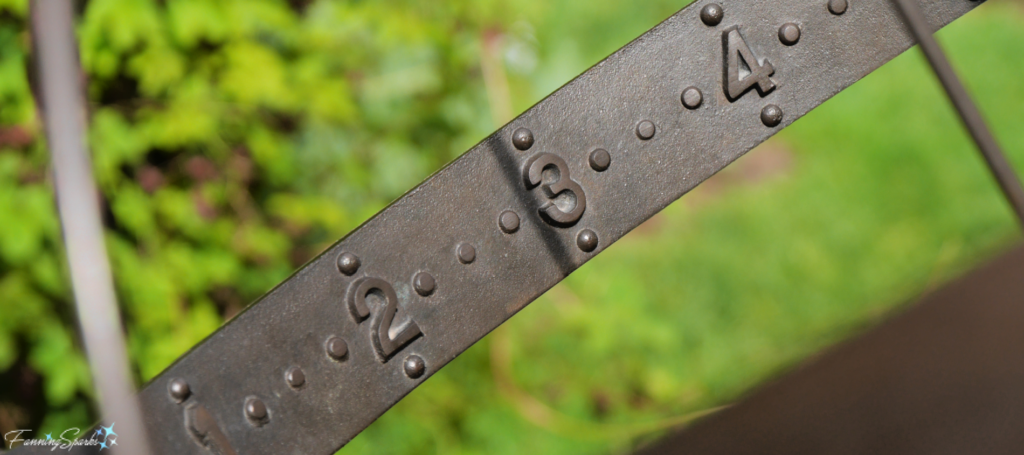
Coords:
272,88
54,355
193,21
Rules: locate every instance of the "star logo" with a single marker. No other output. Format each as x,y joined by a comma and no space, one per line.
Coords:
49,436
107,431
103,445
97,434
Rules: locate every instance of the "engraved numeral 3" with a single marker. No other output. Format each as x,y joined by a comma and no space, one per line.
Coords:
383,342
533,174
739,58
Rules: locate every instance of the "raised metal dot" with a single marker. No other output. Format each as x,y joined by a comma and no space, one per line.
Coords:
508,221
712,14
255,409
424,283
586,240
414,366
466,253
337,348
771,115
789,33
348,263
179,390
600,160
837,7
645,130
692,98
522,138
295,377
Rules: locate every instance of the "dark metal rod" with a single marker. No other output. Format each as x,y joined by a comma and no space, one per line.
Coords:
969,113
63,112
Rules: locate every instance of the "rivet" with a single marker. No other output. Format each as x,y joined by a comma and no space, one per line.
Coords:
179,390
600,160
295,377
522,138
414,366
712,14
508,221
692,98
586,240
645,130
789,33
771,115
466,253
424,283
348,263
255,409
837,7
337,348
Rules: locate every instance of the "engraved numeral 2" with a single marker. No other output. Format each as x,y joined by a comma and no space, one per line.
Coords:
738,56
385,345
533,174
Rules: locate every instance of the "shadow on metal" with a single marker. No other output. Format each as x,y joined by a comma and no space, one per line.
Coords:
507,162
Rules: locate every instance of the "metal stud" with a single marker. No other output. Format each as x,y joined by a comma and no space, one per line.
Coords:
586,240
771,115
837,7
255,409
712,14
348,263
466,253
337,348
179,390
600,160
414,366
424,283
522,138
508,221
692,98
645,130
295,377
789,33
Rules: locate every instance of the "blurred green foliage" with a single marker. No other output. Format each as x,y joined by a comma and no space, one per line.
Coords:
235,139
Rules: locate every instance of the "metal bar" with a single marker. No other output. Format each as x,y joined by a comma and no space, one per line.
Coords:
321,356
1001,168
63,112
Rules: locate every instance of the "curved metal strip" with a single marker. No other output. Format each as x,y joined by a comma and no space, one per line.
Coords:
469,248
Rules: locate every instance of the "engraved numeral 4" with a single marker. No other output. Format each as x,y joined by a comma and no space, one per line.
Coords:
743,70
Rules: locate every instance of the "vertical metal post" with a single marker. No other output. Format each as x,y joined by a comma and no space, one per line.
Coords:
975,123
63,112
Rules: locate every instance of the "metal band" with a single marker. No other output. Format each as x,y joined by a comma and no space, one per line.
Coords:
324,354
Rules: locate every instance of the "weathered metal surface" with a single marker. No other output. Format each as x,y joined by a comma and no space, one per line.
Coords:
511,218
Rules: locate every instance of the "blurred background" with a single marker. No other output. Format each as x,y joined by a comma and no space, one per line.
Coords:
233,140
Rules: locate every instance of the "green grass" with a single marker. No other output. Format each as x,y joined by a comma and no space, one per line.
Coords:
868,202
